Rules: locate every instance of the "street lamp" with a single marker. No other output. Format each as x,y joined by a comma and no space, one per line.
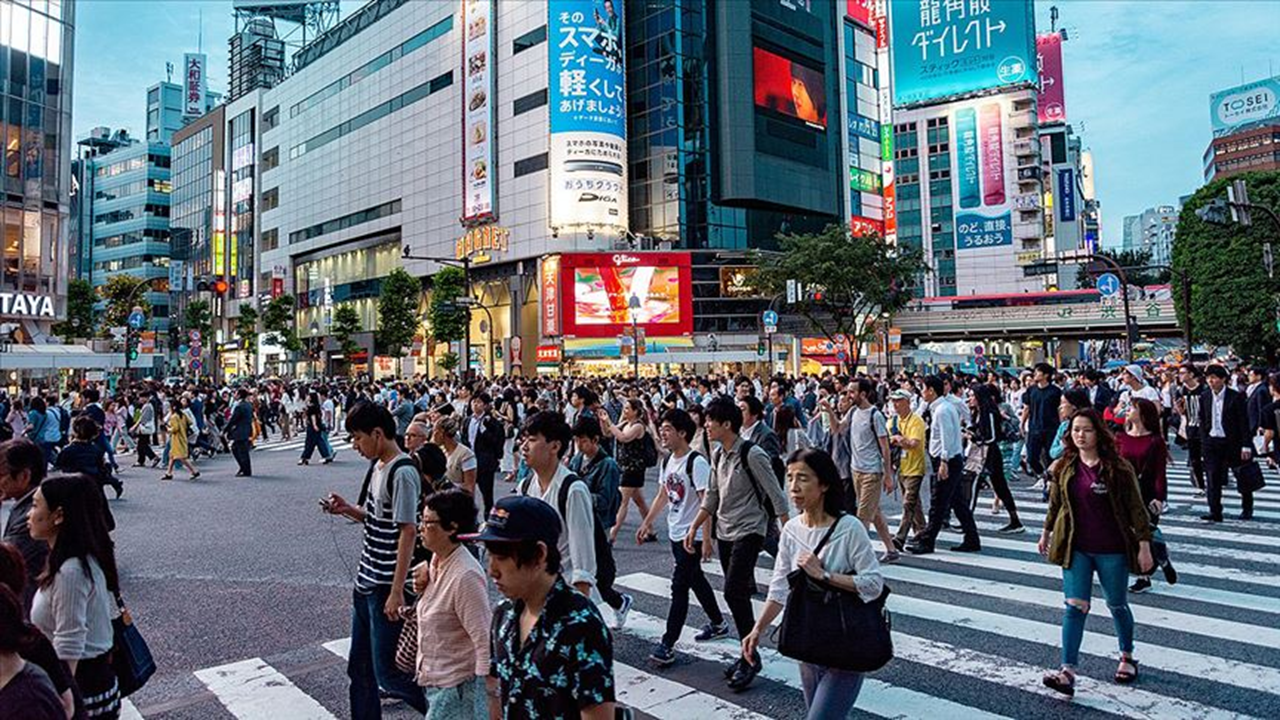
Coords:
634,304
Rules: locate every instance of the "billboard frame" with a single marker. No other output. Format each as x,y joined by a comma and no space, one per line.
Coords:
682,261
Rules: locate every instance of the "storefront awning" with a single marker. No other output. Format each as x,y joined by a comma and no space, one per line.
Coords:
58,357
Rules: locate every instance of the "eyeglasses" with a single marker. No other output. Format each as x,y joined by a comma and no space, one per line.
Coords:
424,523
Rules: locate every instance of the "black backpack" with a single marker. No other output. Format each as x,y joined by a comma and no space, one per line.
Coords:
420,554
606,569
772,532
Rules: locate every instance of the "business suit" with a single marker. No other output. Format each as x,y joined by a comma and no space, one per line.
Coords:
238,430
1222,452
1103,397
1258,398
766,438
487,439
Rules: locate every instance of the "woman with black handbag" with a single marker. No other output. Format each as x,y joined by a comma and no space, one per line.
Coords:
820,549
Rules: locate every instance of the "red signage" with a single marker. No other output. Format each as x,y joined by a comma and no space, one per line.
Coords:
865,226
549,354
550,282
860,11
880,20
1051,100
603,292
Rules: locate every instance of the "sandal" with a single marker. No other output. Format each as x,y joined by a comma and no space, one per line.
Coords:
1123,676
1062,681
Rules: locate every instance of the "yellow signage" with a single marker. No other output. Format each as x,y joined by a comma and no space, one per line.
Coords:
482,241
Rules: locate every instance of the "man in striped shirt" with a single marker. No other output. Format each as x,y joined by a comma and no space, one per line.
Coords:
388,508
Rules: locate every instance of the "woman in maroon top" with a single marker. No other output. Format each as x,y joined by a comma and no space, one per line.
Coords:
1143,446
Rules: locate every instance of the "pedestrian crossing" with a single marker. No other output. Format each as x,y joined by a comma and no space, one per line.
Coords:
296,444
973,634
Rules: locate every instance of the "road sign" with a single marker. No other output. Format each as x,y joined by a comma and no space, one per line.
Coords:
1108,284
979,350
1036,269
195,365
770,329
195,336
195,352
793,292
770,317
119,332
136,319
841,355
484,327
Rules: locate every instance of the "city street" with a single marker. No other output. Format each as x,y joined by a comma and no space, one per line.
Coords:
242,588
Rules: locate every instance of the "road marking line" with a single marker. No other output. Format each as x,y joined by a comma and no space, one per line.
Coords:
670,700
129,711
341,648
1199,531
253,690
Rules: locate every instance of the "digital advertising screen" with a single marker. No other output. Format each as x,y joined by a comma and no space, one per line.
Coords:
597,288
788,88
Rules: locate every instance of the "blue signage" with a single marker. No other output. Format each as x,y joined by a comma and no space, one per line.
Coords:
1067,195
967,167
864,127
136,320
944,48
770,317
1108,284
975,231
585,52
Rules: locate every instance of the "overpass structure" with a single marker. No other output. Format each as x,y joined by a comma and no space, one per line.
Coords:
1154,316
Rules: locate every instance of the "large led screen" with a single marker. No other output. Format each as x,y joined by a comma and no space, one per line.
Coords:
789,88
596,291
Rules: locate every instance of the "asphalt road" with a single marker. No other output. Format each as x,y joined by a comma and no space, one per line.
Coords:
239,585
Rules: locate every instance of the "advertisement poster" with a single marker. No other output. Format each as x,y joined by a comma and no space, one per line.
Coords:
587,112
980,178
1067,195
478,162
860,11
1051,101
789,88
596,289
943,48
1239,106
194,84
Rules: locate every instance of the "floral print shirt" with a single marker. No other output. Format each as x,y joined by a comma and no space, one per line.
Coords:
565,665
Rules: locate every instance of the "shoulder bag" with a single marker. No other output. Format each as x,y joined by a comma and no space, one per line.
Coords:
130,657
832,627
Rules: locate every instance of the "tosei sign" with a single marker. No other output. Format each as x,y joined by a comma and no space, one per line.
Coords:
1236,107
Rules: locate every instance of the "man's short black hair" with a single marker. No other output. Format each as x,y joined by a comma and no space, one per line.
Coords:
934,383
866,387
483,397
551,425
586,395
525,553
366,417
90,395
681,422
587,426
21,454
1217,371
724,410
1046,369
754,406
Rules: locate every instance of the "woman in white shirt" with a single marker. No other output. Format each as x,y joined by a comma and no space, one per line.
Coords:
847,562
76,599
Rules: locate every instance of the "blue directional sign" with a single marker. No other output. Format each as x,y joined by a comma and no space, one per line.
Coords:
136,320
1108,284
770,317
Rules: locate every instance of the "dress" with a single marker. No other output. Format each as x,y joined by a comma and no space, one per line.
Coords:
178,436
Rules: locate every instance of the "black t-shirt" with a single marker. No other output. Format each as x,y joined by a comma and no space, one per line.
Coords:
1042,403
30,696
39,651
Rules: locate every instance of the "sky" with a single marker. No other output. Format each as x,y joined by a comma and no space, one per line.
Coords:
1138,77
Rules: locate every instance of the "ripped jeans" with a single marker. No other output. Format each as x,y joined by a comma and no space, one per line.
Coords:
1077,584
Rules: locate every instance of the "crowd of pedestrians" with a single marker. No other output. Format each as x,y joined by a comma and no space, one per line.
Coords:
490,510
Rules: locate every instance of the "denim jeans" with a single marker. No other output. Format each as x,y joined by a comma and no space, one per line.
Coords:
829,694
326,450
372,661
1077,584
467,701
687,575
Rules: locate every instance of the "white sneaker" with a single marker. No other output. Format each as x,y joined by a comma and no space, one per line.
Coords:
1038,486
620,615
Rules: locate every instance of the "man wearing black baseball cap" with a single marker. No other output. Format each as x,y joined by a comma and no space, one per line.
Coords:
542,612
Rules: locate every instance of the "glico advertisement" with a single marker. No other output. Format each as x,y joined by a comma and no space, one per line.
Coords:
982,183
587,109
944,48
786,87
596,291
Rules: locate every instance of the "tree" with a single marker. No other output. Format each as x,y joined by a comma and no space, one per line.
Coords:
1233,301
398,312
247,330
198,317
346,322
448,321
79,322
278,322
1130,260
449,361
847,280
121,295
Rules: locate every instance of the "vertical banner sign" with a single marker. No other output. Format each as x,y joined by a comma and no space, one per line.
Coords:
880,21
587,113
943,48
479,169
176,276
1051,99
550,282
1067,195
860,11
194,84
980,176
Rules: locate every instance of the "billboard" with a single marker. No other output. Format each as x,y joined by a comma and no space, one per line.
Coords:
981,180
1242,105
194,84
587,114
786,87
549,278
1051,100
860,11
596,291
1066,195
944,48
880,22
479,174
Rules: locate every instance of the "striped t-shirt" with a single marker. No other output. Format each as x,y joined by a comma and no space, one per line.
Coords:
386,509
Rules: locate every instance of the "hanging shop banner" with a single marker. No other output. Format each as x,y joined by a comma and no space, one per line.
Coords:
479,177
980,177
550,282
587,114
1051,100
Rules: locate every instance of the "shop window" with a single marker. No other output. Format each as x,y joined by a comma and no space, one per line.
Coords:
531,165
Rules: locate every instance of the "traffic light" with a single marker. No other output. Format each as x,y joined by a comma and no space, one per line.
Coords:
497,350
131,345
761,348
220,286
1215,212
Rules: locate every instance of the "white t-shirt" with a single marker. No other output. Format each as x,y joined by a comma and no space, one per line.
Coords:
682,492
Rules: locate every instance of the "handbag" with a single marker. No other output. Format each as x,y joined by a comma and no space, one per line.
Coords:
976,460
130,657
832,627
1249,478
407,644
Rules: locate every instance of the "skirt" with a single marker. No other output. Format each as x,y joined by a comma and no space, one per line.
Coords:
632,478
97,681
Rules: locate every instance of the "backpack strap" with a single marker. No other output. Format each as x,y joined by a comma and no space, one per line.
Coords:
562,498
743,453
391,475
688,464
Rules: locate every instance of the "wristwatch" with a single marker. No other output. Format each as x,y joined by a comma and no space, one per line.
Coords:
826,576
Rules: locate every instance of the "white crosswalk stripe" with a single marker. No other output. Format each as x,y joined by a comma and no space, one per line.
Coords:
252,689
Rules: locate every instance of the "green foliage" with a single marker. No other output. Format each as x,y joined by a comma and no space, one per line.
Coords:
398,318
346,322
121,294
278,322
448,322
1130,260
79,322
247,328
449,361
860,277
199,317
1233,302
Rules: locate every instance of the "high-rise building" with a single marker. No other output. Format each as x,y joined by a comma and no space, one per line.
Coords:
256,58
1246,129
198,221
36,51
1132,238
1157,227
166,110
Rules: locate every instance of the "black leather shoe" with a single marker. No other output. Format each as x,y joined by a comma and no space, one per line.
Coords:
1211,518
966,547
918,549
1246,516
745,675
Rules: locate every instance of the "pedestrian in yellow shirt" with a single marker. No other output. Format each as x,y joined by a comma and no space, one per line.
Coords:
906,435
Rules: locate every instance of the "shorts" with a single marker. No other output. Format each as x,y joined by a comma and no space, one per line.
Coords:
632,478
867,486
461,702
